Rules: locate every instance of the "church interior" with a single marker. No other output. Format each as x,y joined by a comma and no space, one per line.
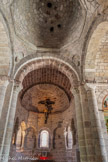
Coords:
54,80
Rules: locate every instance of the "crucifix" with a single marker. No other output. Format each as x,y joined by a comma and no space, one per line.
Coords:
48,107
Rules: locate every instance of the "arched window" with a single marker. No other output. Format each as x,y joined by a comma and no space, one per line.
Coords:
68,137
44,139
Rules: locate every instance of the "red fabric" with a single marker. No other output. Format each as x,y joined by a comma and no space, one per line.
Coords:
44,158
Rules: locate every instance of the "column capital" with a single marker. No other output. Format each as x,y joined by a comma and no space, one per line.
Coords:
75,90
4,80
90,86
16,83
17,86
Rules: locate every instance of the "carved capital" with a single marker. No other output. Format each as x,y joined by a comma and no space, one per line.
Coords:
4,80
8,3
90,86
17,86
75,90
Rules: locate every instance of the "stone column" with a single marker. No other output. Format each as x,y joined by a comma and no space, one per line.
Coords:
3,86
87,125
80,126
98,140
9,123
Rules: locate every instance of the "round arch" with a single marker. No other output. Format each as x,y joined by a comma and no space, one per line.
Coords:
36,63
53,62
49,137
96,21
41,62
6,54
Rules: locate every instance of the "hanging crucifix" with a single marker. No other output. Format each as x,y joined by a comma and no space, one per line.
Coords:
48,108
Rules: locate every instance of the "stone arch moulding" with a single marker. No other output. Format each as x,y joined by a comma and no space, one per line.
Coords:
97,21
7,31
45,128
41,62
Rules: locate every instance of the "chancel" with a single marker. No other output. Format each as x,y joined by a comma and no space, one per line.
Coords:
54,80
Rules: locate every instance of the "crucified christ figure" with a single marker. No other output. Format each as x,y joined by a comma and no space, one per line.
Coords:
48,108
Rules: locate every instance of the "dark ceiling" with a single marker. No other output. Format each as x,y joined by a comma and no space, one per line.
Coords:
46,23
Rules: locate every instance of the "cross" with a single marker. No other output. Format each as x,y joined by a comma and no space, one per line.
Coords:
48,103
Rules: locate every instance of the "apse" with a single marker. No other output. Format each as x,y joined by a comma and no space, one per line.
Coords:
45,126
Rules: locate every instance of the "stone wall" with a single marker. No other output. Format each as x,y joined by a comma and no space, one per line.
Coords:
4,51
58,125
96,58
102,60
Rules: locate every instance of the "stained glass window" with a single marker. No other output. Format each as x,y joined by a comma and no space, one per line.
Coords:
105,103
105,109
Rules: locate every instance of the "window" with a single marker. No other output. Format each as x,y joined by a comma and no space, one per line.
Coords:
44,139
68,137
105,103
105,110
